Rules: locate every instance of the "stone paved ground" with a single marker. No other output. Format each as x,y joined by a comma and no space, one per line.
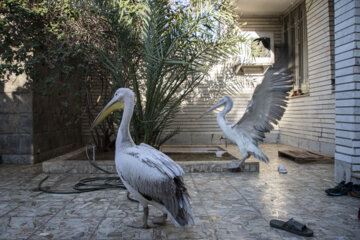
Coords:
226,206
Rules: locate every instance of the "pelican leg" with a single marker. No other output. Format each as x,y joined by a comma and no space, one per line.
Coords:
235,165
160,220
144,223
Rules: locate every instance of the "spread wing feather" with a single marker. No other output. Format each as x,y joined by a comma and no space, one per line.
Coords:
268,102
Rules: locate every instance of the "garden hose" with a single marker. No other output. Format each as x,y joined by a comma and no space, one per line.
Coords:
90,184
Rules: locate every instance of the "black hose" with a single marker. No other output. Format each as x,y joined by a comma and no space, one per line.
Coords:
85,185
90,184
93,162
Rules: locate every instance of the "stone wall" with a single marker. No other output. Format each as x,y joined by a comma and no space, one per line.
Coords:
16,122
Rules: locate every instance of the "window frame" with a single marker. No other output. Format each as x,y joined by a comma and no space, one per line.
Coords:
295,37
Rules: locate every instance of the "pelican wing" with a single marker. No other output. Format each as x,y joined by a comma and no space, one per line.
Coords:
151,172
268,102
158,178
160,161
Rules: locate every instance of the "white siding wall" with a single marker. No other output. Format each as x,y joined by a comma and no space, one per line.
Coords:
309,120
263,24
347,76
217,85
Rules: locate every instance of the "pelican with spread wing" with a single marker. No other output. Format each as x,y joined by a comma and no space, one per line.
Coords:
149,175
266,108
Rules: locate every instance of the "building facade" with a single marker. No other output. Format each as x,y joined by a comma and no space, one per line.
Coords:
323,113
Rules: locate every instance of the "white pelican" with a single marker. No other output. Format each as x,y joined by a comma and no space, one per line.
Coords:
148,174
266,108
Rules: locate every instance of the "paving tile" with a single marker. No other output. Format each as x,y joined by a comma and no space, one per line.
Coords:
121,209
89,209
16,195
117,228
67,228
36,209
6,207
20,227
226,205
193,232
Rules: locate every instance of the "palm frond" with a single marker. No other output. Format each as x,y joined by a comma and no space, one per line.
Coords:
178,45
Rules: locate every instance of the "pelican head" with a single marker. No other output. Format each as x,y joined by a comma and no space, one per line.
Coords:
116,103
225,101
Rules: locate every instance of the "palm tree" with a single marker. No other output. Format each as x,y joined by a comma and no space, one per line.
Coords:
174,47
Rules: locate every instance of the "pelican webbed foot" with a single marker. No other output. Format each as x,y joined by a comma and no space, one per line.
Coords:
236,165
160,220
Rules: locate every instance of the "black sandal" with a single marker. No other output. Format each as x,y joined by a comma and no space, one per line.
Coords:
293,227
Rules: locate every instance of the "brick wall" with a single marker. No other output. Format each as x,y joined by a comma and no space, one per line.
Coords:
35,127
56,120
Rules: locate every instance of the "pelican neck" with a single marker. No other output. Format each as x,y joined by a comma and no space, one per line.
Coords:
123,139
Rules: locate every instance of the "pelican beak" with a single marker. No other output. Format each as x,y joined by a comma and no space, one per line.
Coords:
218,104
113,105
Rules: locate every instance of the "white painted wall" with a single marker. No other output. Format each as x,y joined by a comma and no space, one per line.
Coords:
347,76
309,120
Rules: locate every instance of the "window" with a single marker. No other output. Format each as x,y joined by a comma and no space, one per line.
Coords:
296,40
